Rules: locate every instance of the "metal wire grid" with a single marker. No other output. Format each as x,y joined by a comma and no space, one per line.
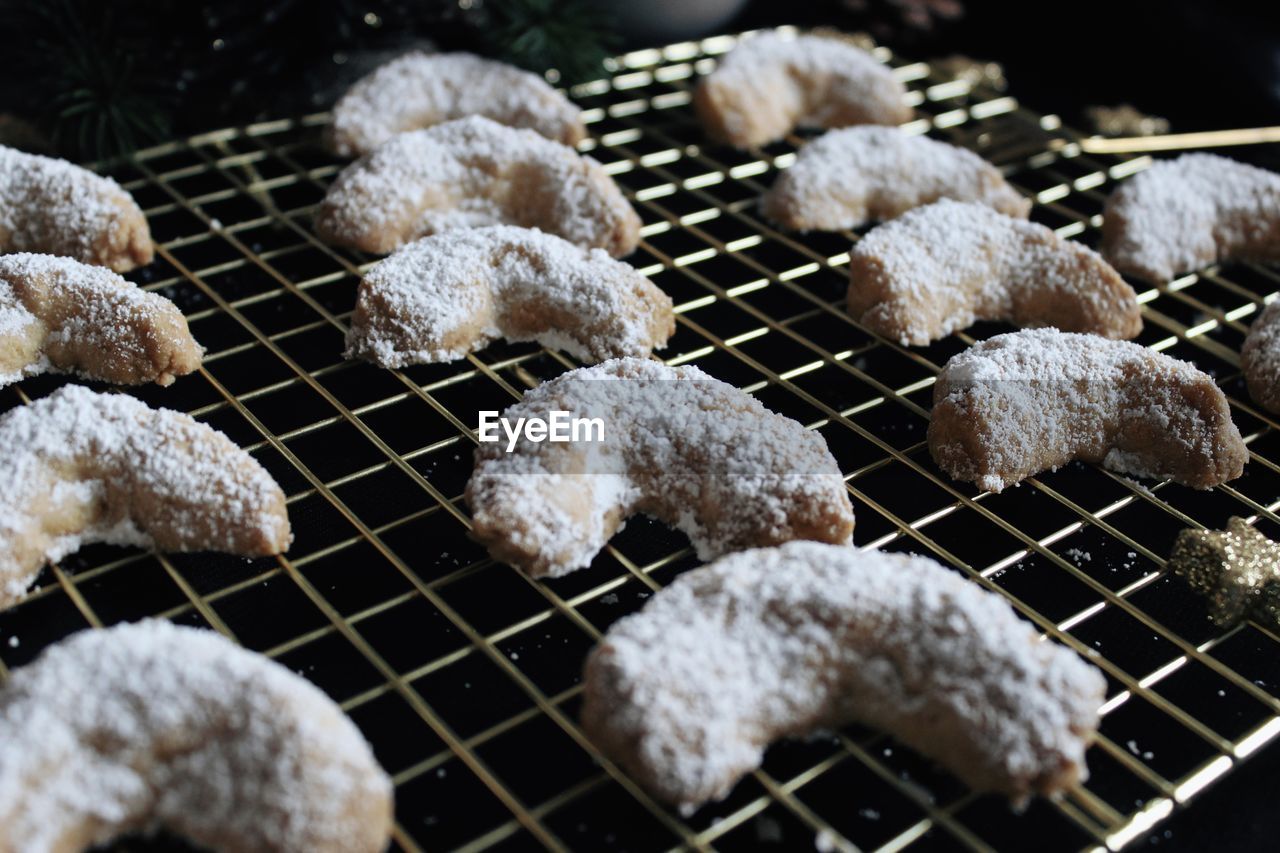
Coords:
464,674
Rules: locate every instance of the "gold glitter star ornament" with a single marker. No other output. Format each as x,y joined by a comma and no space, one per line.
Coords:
1236,569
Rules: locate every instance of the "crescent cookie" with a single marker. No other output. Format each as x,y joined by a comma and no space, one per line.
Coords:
441,297
676,444
419,90
152,726
944,266
57,314
769,85
1260,358
79,467
473,172
1183,214
58,208
846,178
1018,404
791,641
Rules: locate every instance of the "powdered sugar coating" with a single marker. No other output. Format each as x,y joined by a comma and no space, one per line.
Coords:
1014,405
419,90
770,84
678,445
1260,358
152,725
79,467
57,314
785,642
469,173
1183,214
944,266
846,178
56,207
441,297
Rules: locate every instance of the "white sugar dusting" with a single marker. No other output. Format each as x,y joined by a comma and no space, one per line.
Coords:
1029,401
769,84
54,206
79,467
846,178
443,296
1182,214
1260,358
782,642
944,266
690,450
152,725
418,90
474,172
88,316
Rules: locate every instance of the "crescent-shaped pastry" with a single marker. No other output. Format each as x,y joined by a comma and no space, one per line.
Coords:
79,467
473,172
944,266
58,208
1180,215
419,90
1018,404
57,314
787,642
673,443
846,178
441,297
1260,358
769,85
147,726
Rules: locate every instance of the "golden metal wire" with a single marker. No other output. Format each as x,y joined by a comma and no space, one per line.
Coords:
752,300
1181,141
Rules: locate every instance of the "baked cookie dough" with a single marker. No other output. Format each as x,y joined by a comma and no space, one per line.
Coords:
942,267
150,725
57,314
419,90
790,641
1018,404
55,207
1260,358
847,178
79,467
676,444
444,296
473,172
769,85
1183,214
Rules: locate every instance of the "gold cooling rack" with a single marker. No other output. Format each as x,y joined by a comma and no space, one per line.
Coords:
465,675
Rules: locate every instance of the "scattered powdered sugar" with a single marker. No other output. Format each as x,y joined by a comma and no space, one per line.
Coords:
769,84
690,450
944,266
826,841
152,725
1185,213
443,296
779,642
1021,403
79,467
54,206
474,172
418,90
847,177
60,314
1260,358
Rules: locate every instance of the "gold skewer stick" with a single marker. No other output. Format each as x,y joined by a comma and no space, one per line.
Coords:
1180,141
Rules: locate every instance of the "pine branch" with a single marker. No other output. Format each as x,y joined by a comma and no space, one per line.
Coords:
574,37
